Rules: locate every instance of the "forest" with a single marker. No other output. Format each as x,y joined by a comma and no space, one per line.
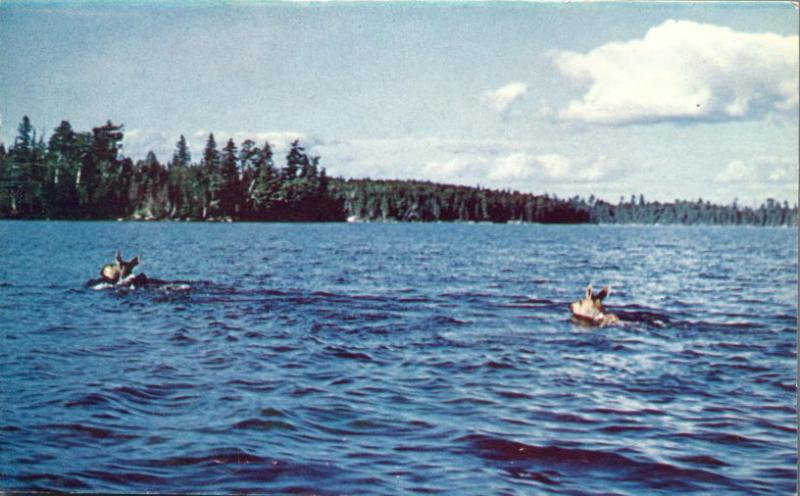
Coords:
84,175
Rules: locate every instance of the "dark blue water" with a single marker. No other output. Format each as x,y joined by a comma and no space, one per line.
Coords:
386,359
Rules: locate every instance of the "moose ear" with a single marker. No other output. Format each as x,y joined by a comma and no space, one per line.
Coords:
118,257
589,291
135,260
603,293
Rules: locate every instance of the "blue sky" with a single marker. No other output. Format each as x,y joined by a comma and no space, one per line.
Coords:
672,100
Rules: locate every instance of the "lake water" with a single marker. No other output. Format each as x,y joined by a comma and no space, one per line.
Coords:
398,358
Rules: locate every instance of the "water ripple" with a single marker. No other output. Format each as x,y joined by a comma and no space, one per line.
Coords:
388,359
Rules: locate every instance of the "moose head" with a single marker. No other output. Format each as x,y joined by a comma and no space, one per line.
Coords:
590,309
118,270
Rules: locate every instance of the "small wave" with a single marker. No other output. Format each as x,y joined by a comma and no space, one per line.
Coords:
272,412
513,395
572,461
634,413
123,478
54,481
492,364
724,438
469,400
92,399
80,430
647,317
133,393
616,429
253,386
445,320
346,354
182,336
415,299
706,460
710,326
263,425
233,456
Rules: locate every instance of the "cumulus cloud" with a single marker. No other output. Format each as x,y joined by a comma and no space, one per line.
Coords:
502,99
683,70
137,142
492,163
765,172
737,172
550,167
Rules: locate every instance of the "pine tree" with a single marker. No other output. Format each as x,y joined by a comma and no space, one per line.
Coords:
265,191
296,160
181,157
230,187
107,181
210,178
249,162
153,195
21,171
63,163
179,189
6,187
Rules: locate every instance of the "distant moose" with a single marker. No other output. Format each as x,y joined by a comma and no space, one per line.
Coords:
120,274
119,270
590,309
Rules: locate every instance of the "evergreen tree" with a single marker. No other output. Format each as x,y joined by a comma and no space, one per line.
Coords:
107,183
25,172
23,143
296,160
249,162
179,183
153,190
182,157
266,186
63,163
210,178
230,193
6,185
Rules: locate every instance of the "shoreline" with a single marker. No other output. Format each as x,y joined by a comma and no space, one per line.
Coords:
394,221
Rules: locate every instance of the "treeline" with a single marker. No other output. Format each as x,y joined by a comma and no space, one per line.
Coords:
424,201
366,199
83,175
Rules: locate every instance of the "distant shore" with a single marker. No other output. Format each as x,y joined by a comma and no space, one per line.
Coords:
84,176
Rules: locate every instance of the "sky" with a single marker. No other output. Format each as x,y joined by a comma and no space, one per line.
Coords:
672,100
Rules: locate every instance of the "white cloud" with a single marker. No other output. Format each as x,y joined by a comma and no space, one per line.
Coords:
451,169
502,99
522,165
137,142
492,163
760,172
683,70
737,172
754,180
551,168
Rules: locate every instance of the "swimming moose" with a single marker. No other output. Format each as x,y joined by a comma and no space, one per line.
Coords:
590,310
